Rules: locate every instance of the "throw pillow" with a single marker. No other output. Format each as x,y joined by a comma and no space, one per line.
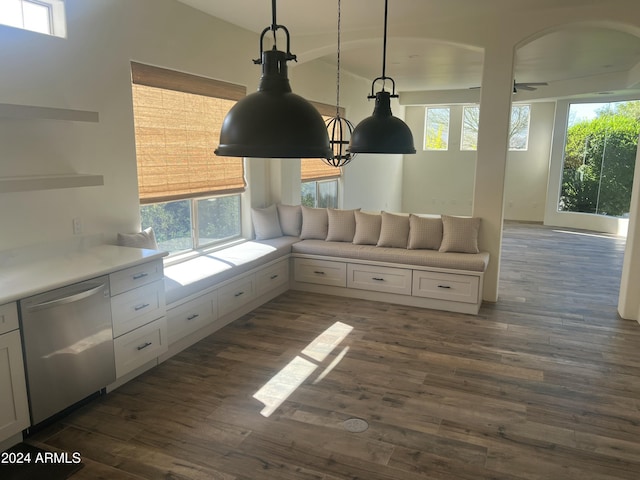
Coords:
315,223
367,228
290,219
394,231
460,234
143,239
424,232
342,225
265,222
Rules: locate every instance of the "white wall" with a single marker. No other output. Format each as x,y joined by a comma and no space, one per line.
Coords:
443,181
90,70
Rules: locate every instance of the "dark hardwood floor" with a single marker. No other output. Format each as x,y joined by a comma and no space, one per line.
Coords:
544,384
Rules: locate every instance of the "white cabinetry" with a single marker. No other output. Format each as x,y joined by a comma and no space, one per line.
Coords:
235,294
138,311
321,272
14,407
189,317
446,286
379,279
425,287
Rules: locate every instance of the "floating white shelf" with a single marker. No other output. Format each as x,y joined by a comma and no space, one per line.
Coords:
49,182
9,110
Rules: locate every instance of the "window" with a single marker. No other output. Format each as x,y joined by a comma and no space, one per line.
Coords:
320,194
319,180
188,195
436,131
42,16
518,129
599,158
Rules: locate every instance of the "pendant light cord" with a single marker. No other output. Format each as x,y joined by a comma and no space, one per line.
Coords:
274,23
338,68
384,44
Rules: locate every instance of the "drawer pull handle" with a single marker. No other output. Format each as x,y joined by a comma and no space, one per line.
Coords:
138,276
377,279
318,272
273,277
444,286
144,345
191,317
140,307
238,294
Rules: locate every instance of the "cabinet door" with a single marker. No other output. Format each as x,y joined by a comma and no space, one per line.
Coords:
379,279
236,294
191,316
14,408
137,307
134,349
272,277
322,272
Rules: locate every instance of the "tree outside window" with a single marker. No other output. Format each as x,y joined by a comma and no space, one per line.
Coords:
599,159
518,128
436,135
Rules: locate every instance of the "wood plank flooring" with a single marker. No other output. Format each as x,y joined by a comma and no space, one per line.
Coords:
544,384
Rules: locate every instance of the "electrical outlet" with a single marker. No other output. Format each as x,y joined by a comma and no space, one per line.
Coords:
77,226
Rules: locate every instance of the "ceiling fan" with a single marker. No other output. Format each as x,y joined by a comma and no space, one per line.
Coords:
527,86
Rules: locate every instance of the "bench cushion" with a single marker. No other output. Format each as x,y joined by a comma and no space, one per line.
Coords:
199,273
476,262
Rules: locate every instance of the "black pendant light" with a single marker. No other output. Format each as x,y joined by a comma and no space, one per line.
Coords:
274,122
382,132
340,129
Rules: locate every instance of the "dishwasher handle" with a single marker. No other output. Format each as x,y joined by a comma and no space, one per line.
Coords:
76,297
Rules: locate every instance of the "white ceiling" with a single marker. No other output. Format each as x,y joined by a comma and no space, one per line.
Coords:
566,58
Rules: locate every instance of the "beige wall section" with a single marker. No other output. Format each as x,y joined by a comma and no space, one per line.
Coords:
528,171
442,181
629,300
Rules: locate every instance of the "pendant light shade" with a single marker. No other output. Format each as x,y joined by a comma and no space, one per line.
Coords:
274,122
382,132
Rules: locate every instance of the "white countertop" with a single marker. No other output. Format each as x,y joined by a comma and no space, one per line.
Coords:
30,278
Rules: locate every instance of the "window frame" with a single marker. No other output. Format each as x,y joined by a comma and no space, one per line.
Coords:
510,148
425,142
56,17
317,192
162,80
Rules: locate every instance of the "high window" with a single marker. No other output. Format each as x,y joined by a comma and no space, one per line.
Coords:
436,131
320,181
599,158
42,16
190,197
518,129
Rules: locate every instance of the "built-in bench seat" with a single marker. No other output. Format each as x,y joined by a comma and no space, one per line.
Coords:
207,270
476,262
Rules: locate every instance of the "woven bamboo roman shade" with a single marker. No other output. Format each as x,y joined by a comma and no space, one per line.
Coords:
177,126
314,168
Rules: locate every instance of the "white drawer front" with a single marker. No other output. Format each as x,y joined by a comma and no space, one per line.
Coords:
446,286
190,317
236,294
8,317
140,346
322,272
272,277
379,279
134,308
129,278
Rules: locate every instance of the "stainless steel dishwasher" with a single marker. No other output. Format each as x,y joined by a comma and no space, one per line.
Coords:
67,337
